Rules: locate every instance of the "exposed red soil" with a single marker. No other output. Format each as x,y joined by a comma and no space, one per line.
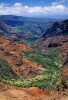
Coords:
65,73
60,42
36,91
13,53
33,93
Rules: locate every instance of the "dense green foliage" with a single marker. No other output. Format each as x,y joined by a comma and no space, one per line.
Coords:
6,71
47,59
52,70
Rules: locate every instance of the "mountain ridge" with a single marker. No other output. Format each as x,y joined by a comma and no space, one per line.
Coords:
58,28
28,31
23,68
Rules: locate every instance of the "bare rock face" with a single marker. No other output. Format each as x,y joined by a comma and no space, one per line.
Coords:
56,36
55,41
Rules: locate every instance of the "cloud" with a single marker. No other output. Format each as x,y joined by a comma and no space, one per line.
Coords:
19,9
59,2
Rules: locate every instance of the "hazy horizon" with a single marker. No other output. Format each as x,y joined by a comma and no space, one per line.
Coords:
35,8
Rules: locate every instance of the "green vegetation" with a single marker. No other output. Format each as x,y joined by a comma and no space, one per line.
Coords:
28,31
47,59
6,71
52,70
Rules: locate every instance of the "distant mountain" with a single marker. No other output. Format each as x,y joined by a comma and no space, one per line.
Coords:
6,28
58,28
56,36
22,18
12,17
24,29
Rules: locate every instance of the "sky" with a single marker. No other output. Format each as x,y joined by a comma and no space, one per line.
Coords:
35,8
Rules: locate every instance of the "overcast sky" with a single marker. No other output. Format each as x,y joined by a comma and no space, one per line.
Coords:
34,8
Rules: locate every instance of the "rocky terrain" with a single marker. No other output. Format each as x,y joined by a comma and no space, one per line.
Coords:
25,30
6,28
12,54
10,93
58,28
57,37
39,73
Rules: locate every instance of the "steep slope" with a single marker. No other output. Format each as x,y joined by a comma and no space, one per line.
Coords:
13,54
43,69
55,41
60,42
1,32
26,62
27,30
58,28
33,93
57,37
6,28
